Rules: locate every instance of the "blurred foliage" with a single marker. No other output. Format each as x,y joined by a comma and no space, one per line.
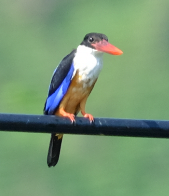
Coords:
34,37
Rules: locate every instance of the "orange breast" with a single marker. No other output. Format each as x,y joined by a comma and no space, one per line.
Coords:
77,92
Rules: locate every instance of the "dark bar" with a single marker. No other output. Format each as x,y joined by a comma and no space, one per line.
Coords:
101,126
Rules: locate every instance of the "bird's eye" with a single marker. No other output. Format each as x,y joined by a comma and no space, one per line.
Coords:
91,39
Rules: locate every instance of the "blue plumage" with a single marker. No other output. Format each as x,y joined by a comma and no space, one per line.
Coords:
55,98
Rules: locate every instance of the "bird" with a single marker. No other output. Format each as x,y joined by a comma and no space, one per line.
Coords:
72,82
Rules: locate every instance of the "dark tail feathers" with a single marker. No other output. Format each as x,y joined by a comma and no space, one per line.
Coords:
54,149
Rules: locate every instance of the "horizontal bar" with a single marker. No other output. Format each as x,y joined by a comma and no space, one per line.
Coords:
101,126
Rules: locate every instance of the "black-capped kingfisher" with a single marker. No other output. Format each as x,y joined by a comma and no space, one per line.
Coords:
72,82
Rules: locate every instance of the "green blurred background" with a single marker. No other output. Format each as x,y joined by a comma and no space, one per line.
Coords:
34,36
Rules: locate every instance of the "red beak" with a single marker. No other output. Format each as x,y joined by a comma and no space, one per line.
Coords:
105,46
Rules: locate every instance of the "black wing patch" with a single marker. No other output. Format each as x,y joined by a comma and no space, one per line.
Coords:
59,84
60,72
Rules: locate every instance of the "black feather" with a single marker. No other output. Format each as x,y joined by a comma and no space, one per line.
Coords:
59,75
54,150
61,72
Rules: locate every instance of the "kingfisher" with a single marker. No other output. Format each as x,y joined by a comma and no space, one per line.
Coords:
72,82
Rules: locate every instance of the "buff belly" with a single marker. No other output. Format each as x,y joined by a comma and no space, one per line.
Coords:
78,91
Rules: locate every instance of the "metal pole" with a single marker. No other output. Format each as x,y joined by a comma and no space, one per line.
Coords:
101,126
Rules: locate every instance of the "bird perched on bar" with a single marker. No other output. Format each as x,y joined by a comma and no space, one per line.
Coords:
72,82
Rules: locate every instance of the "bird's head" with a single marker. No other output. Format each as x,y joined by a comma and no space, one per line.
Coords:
100,43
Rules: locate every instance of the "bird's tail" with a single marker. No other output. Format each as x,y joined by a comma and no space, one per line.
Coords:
54,149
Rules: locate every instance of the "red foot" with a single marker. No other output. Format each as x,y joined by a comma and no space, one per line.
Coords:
68,115
89,116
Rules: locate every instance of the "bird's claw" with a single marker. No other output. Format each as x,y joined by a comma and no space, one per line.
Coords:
71,117
90,117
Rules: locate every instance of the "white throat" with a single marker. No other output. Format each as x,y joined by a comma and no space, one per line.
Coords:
88,62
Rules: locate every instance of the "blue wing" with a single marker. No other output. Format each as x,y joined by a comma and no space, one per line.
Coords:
60,83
